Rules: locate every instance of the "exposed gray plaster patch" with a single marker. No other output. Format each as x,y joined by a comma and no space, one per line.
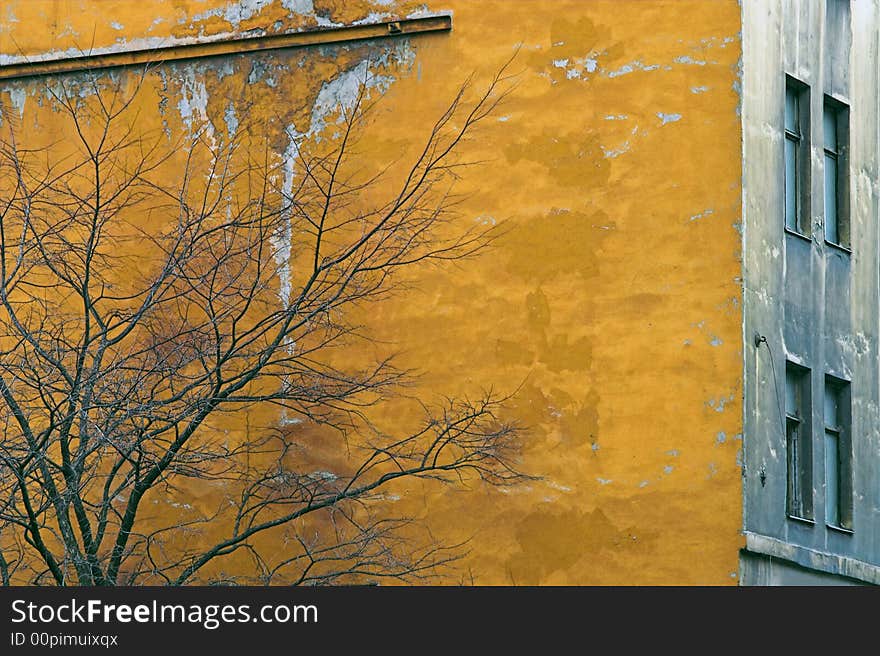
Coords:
230,119
261,72
234,12
67,31
701,215
424,10
687,59
372,17
18,98
718,404
632,67
578,67
323,21
299,7
193,103
668,118
624,70
281,239
611,153
699,89
342,93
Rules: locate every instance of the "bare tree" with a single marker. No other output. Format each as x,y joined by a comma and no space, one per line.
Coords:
135,317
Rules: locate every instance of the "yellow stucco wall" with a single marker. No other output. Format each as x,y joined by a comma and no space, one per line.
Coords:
613,300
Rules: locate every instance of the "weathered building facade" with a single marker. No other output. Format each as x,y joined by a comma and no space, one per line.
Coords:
810,299
650,297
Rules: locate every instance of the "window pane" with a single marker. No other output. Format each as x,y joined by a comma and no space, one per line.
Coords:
791,400
792,450
832,233
832,480
829,128
831,418
791,204
791,110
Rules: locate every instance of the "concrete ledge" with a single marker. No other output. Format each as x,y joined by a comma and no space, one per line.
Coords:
819,561
230,46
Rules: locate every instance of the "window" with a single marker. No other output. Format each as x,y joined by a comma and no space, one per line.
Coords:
798,445
838,455
797,170
835,120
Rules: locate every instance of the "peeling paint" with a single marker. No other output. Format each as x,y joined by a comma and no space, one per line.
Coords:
687,59
611,153
668,118
576,68
301,7
374,17
281,240
18,98
230,119
701,215
632,67
341,94
718,404
193,103
236,12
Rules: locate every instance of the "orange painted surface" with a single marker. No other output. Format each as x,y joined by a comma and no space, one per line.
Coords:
613,300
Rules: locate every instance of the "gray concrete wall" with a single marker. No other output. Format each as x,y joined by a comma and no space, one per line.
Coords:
816,304
759,569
